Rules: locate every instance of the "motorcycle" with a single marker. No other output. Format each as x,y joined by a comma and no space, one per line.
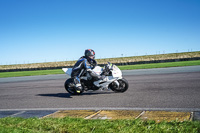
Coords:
113,80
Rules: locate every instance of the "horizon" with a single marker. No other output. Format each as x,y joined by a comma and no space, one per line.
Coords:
103,58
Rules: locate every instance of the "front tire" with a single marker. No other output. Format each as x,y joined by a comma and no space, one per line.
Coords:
68,87
123,86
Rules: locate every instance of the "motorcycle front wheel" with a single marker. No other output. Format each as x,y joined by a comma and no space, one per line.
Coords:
123,86
70,87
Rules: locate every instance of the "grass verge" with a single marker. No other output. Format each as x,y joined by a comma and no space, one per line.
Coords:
71,125
126,67
30,73
160,65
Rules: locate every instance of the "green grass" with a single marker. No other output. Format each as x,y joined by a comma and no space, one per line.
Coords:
30,73
80,125
126,67
160,65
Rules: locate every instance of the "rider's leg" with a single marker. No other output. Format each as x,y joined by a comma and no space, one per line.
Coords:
77,83
96,76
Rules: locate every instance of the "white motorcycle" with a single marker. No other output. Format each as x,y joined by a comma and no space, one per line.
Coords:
113,80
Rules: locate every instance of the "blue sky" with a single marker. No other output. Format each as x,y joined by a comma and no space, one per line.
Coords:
58,30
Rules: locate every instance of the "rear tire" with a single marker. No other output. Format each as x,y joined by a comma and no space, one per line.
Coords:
71,90
123,86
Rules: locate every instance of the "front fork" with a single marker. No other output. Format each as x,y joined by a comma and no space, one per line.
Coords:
117,83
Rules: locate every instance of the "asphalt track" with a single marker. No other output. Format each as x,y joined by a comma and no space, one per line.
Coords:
169,89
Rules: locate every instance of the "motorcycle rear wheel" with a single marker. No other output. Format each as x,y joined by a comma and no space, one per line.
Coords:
72,90
123,86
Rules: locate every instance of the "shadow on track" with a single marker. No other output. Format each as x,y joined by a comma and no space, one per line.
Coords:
61,95
67,95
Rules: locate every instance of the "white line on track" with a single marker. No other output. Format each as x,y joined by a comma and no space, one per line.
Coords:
107,108
21,112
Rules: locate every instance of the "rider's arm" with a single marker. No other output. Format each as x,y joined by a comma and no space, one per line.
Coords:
86,65
89,70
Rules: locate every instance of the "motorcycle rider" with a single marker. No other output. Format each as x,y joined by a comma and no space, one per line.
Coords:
85,63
